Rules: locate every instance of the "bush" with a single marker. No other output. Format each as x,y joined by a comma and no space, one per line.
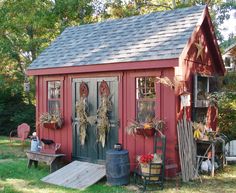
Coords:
227,114
14,111
227,106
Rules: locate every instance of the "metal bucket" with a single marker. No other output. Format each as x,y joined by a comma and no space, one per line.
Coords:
34,145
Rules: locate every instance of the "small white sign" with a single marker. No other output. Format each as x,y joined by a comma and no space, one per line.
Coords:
185,100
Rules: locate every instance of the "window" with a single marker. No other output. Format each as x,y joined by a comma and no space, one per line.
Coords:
145,99
201,90
54,96
227,61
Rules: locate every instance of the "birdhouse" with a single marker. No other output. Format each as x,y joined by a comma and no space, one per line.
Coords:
26,86
185,99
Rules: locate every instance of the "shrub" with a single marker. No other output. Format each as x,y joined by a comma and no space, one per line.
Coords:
227,106
14,111
227,114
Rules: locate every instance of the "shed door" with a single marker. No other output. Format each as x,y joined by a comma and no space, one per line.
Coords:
92,150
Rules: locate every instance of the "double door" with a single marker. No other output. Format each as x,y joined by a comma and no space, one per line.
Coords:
92,150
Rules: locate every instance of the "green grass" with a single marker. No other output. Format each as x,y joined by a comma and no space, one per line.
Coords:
15,177
12,150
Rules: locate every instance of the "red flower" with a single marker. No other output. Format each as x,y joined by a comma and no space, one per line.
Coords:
145,159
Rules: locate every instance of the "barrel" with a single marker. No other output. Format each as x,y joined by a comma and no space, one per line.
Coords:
117,167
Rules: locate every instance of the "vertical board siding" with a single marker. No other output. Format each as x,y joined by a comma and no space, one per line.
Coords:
169,115
136,145
121,94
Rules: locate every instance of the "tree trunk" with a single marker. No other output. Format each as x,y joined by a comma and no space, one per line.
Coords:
173,4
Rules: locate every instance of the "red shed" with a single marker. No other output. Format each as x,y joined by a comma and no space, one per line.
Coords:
121,59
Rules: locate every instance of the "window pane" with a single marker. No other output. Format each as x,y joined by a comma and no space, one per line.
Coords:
145,111
145,87
145,98
54,107
202,88
54,96
54,89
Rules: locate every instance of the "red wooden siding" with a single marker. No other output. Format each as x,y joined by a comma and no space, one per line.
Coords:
135,144
165,110
167,100
107,67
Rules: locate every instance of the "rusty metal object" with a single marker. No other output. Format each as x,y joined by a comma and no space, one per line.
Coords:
104,89
84,91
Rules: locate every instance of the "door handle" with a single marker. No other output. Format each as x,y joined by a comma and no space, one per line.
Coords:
115,123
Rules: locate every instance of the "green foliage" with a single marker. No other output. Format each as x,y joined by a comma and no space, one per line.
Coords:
26,28
227,106
14,111
230,41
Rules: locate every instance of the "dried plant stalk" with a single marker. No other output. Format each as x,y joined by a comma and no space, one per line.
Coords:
132,127
54,117
83,119
103,124
167,82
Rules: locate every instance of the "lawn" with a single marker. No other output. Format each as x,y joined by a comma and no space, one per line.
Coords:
15,177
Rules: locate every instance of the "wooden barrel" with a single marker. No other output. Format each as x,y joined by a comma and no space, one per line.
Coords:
117,167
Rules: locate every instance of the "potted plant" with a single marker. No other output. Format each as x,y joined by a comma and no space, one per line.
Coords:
145,161
146,129
51,120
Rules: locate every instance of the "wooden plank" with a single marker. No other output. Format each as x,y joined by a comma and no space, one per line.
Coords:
77,175
68,169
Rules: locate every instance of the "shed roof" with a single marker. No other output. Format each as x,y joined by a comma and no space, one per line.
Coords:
231,48
155,36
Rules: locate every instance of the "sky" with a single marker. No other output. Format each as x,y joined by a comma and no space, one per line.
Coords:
229,26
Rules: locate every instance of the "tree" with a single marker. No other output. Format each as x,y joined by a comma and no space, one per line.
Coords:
119,9
27,27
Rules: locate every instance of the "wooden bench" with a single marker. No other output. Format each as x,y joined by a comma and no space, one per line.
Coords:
53,160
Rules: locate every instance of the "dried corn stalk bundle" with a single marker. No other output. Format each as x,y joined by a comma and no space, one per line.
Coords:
132,127
168,83
103,124
82,118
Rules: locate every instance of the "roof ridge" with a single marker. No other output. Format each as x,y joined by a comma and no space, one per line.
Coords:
230,47
153,36
201,7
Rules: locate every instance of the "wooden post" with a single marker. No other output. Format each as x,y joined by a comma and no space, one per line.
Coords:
187,148
213,159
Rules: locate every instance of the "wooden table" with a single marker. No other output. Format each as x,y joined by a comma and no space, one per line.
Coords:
53,160
211,147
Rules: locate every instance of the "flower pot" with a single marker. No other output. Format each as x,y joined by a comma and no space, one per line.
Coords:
50,125
155,169
50,149
145,132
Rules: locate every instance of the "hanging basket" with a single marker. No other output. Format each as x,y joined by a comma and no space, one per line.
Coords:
51,125
156,169
145,132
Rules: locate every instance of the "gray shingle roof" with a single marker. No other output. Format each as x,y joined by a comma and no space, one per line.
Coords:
155,36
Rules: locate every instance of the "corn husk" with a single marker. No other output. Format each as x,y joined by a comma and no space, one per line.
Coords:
82,118
103,124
